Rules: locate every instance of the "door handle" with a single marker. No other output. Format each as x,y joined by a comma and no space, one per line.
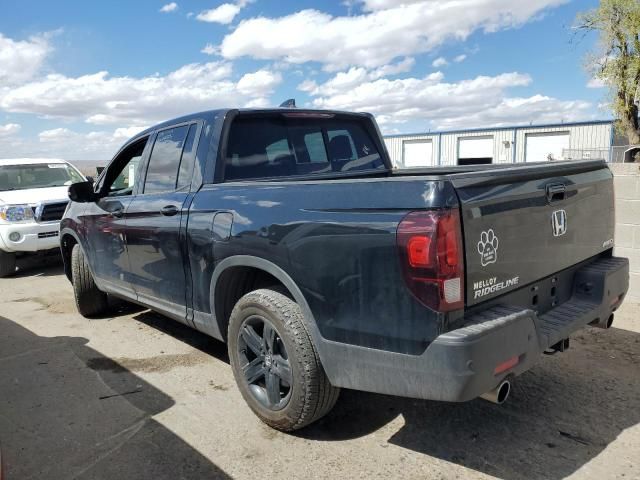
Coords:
169,210
555,192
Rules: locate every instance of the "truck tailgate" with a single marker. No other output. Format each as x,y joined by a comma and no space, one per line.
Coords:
524,223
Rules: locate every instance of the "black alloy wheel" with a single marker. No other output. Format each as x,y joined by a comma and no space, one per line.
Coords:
265,363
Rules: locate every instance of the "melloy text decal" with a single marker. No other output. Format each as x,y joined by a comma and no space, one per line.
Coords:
491,285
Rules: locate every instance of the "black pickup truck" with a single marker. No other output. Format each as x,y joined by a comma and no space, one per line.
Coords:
287,234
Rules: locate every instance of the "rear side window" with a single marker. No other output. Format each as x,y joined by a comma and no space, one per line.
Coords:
271,147
171,160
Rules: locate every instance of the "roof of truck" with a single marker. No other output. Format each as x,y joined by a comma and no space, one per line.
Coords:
225,111
29,161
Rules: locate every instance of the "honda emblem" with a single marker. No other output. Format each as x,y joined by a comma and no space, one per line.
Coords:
559,223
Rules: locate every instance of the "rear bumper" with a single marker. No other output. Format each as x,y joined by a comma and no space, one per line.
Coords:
459,365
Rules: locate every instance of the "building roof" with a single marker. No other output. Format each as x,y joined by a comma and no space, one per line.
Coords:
497,129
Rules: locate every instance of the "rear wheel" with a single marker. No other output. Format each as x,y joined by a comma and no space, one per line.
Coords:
275,363
7,263
90,301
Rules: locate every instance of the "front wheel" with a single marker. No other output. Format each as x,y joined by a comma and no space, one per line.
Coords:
7,263
90,301
275,363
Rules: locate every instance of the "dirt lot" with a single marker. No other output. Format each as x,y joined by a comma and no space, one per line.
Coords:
138,396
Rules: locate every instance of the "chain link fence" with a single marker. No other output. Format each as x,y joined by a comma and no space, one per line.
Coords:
585,154
624,153
617,154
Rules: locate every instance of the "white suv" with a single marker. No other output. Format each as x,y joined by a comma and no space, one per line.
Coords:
33,198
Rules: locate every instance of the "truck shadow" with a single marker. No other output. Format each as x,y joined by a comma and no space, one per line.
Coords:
62,419
562,413
41,265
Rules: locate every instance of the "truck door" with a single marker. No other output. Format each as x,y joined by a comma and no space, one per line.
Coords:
105,224
156,221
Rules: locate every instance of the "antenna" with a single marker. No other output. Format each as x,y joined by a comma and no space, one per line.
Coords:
290,103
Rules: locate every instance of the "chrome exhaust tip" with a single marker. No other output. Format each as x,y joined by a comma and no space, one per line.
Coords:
499,394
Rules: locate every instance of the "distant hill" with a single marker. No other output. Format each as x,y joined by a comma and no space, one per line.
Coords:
89,167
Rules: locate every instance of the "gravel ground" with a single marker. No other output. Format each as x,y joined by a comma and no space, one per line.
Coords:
138,396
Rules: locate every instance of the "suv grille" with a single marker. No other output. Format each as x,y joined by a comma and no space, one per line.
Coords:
52,212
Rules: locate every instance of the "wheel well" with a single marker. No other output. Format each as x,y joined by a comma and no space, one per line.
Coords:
66,245
235,282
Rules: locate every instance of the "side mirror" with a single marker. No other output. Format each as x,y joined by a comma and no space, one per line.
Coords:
90,179
82,192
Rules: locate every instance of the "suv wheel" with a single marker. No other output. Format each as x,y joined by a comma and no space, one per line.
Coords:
7,263
90,301
275,363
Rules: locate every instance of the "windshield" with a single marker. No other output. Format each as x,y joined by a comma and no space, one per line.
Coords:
41,175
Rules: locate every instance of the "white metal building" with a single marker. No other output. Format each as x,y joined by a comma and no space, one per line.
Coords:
531,143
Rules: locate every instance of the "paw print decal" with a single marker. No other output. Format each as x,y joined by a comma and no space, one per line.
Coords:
488,247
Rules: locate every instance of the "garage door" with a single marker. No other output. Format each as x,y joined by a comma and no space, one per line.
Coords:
417,153
542,147
475,150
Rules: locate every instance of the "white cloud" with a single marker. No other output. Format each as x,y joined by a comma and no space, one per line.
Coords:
169,7
20,60
259,83
460,58
102,99
209,49
439,62
371,5
224,13
393,29
481,101
345,81
9,129
68,144
596,83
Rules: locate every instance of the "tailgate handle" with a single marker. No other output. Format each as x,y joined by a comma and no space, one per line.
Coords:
555,192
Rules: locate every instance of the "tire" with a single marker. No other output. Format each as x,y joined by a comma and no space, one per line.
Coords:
304,394
7,263
90,301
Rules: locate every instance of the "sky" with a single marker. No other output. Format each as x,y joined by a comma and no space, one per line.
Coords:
78,78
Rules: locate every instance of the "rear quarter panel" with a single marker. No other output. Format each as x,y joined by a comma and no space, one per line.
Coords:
336,239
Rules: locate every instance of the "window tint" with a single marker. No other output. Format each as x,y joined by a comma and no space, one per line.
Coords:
314,143
162,172
188,159
278,149
268,147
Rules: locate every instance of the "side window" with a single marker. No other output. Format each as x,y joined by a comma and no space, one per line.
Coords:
126,179
164,163
121,177
188,159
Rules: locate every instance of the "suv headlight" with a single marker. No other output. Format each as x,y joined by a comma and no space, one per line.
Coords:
16,213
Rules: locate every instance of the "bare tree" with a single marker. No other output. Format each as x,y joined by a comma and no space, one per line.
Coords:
617,62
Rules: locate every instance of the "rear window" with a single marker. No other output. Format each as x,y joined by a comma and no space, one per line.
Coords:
282,147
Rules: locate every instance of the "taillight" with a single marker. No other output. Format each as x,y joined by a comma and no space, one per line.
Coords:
430,245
